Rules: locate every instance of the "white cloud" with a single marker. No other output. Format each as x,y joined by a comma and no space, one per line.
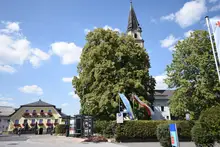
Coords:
187,34
213,1
187,15
168,17
31,89
15,49
215,8
64,104
5,99
168,41
106,27
68,52
38,56
10,27
7,68
86,31
6,103
67,79
75,96
153,20
160,84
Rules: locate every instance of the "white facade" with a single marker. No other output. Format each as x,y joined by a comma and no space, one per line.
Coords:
5,111
137,36
161,109
161,105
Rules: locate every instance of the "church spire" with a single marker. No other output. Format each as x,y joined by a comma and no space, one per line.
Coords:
133,24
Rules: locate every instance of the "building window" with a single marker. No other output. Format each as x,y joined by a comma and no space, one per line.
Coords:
0,120
34,111
162,108
33,121
40,121
25,121
16,121
41,111
49,111
3,126
135,35
48,120
56,121
167,117
26,111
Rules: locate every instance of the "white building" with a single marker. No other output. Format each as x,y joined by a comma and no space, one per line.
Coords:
161,106
5,111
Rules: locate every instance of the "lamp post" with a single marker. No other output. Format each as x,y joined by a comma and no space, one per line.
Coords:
187,115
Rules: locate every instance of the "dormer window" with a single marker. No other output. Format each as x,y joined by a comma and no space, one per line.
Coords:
41,111
26,111
135,35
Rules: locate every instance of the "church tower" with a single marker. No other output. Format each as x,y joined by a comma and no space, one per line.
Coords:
134,28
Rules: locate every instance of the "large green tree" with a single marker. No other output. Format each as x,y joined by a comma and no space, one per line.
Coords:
110,63
193,74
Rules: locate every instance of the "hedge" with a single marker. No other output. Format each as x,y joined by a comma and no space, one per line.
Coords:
105,128
207,130
163,135
60,129
183,129
140,130
137,131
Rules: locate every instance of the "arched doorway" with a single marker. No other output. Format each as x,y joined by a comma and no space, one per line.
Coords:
41,131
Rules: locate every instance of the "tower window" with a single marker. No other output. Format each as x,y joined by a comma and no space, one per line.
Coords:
135,35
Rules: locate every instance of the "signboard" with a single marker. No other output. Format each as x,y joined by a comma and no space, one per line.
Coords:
71,129
174,135
120,118
187,116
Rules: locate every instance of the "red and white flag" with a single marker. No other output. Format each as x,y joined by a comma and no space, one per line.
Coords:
215,24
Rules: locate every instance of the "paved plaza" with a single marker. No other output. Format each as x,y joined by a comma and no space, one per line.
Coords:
61,141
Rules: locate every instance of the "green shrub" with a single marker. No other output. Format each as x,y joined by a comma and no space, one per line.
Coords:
200,136
210,122
184,129
146,130
163,135
137,130
106,128
60,129
100,126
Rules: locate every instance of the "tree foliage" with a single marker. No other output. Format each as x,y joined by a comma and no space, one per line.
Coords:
193,74
111,63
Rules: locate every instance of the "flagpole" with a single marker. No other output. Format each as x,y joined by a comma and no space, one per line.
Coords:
213,48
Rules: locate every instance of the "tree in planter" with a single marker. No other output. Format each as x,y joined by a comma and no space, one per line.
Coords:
193,74
111,63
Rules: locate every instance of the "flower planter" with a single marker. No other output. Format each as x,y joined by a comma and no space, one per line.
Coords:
42,114
50,113
56,124
17,125
49,124
41,124
34,114
32,124
26,114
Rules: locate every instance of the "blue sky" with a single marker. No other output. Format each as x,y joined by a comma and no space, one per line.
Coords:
41,41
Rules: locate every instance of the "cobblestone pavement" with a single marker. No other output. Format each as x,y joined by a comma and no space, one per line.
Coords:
61,141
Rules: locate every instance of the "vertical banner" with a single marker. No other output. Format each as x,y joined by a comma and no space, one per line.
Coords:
120,118
127,105
174,135
71,127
